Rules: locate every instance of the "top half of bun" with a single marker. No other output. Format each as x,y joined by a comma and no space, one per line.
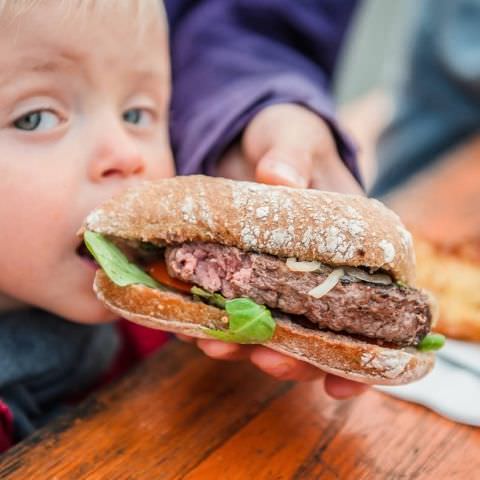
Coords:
335,229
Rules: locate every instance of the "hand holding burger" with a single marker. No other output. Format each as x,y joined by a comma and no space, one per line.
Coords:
321,277
286,144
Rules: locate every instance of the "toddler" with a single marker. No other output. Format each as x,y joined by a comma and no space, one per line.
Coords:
83,114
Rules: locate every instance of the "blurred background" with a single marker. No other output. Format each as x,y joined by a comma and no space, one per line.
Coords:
371,68
376,48
408,91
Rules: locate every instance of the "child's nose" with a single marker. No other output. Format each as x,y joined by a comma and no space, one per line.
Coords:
118,157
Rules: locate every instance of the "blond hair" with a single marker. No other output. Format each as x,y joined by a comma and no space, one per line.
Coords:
143,10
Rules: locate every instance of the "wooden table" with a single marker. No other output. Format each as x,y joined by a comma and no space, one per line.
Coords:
182,415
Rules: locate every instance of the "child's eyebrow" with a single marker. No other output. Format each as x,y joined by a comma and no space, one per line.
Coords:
48,66
54,63
34,64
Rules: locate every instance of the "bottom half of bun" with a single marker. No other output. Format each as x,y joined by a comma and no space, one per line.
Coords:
332,352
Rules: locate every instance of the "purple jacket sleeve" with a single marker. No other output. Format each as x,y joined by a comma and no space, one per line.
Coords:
232,58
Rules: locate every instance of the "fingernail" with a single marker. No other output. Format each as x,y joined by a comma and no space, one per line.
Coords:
281,369
340,388
213,348
289,174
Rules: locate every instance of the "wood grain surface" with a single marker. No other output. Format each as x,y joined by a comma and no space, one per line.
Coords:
182,415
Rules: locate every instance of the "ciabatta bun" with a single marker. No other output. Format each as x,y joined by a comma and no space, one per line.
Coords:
332,228
334,353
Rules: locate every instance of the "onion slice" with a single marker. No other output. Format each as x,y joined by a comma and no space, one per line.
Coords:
329,283
295,266
377,278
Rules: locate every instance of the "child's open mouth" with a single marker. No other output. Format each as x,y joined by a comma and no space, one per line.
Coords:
86,256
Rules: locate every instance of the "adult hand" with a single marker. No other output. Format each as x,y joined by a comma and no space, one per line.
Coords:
289,145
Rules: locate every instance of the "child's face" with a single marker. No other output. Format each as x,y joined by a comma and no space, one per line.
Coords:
83,114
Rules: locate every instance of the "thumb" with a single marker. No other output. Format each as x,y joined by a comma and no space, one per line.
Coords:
281,142
285,166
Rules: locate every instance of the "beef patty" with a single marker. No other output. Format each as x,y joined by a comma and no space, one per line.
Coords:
386,313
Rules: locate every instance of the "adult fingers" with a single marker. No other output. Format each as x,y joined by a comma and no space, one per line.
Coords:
283,367
285,165
223,350
331,174
185,338
341,388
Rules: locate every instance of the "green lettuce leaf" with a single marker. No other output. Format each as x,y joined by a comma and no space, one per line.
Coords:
431,342
248,322
115,264
212,298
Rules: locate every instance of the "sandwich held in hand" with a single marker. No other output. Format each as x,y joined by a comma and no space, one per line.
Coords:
323,277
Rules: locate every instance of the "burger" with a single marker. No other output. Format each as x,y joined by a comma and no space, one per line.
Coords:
320,276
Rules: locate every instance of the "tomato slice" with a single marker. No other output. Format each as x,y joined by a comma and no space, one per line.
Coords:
158,270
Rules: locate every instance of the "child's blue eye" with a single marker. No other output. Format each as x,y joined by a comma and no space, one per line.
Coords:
37,120
138,116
